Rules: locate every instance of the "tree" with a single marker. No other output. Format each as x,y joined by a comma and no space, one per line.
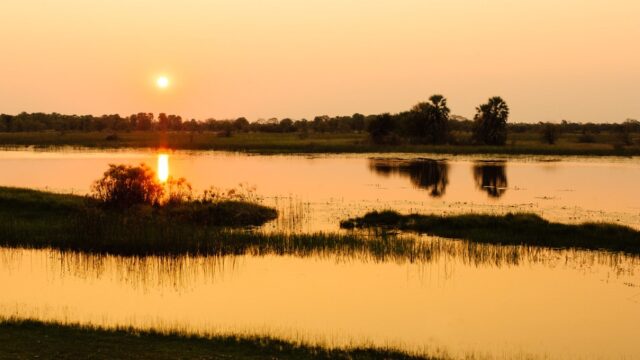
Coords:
490,122
163,122
549,133
241,124
380,128
430,120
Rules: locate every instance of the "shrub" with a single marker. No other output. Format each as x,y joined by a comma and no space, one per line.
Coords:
125,186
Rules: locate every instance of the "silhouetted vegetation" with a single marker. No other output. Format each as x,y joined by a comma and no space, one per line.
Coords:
510,229
428,174
125,186
491,177
549,133
490,122
18,339
427,127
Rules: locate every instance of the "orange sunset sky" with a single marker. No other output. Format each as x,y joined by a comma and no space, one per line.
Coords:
549,59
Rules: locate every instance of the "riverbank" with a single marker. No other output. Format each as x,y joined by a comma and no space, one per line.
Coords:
286,143
22,339
510,229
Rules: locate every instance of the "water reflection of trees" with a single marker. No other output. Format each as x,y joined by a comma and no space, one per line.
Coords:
428,174
491,177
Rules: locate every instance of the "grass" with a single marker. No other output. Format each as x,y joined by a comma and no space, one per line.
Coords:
518,143
36,205
35,219
510,229
22,339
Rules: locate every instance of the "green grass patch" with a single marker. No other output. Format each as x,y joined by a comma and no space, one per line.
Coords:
510,229
29,339
272,143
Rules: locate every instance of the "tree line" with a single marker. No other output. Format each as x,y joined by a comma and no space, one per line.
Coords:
427,122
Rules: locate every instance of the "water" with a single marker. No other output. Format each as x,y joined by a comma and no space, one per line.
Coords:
553,304
316,192
467,298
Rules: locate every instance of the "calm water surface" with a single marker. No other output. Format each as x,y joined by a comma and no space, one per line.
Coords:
466,299
319,191
548,304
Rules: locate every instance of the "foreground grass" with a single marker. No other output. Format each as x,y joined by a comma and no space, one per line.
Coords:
34,339
510,229
519,143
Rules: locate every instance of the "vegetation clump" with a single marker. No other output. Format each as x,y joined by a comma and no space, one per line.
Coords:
62,341
509,229
125,186
135,190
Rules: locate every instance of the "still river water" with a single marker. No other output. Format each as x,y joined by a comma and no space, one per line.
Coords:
484,300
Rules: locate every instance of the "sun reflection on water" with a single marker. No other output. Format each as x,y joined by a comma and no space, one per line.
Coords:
163,167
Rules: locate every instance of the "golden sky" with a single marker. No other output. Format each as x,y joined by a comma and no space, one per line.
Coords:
549,59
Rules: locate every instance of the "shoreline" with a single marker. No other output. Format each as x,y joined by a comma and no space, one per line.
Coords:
270,144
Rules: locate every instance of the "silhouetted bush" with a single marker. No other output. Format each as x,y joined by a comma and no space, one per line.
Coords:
125,186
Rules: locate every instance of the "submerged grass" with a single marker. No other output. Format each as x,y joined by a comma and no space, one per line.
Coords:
509,229
21,339
519,144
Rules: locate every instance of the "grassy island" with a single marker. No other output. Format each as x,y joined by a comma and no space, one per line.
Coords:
510,229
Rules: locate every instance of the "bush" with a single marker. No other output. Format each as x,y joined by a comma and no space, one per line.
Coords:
126,186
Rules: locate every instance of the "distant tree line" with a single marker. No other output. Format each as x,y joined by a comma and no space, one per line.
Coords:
428,122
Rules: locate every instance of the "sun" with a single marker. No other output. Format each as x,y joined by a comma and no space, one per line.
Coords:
162,82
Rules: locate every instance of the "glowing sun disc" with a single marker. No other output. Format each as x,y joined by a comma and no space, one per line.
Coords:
162,82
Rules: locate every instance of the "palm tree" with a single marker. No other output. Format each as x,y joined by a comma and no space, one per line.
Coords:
431,120
490,122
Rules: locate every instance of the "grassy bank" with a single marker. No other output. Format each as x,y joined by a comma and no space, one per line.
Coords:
518,144
34,339
510,229
34,219
52,208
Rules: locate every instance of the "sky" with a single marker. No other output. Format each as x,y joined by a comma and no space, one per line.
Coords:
550,60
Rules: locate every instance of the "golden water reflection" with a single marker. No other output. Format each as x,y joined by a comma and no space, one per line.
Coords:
466,299
314,198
